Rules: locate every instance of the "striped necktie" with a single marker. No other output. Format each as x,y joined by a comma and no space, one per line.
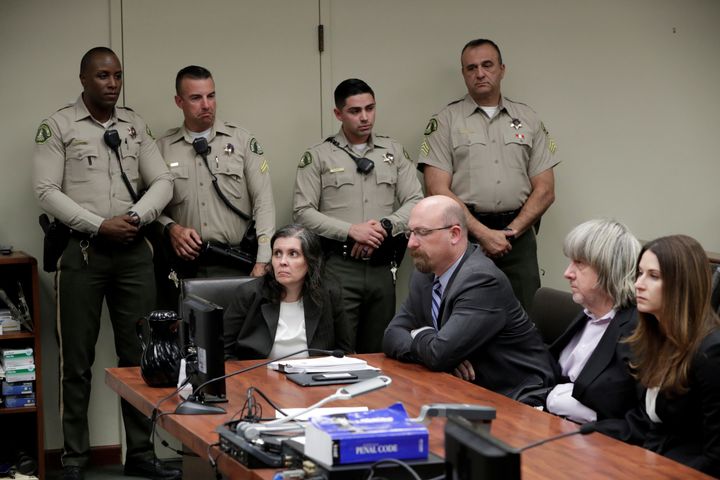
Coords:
436,299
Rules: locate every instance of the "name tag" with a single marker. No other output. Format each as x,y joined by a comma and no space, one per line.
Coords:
174,164
337,170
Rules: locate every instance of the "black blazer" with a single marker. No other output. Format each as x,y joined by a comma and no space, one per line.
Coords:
690,428
481,321
251,321
605,384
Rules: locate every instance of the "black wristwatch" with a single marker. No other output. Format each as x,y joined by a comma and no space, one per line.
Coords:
135,216
387,225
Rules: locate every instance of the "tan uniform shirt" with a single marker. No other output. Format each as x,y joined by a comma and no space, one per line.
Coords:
76,176
491,160
237,160
331,195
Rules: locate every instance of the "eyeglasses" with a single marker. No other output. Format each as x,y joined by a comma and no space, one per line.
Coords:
424,232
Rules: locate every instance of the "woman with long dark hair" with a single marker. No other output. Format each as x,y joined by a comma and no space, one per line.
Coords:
677,353
292,307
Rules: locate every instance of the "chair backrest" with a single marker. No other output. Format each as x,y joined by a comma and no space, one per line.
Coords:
715,291
552,311
219,290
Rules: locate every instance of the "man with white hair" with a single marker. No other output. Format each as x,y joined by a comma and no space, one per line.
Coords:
594,379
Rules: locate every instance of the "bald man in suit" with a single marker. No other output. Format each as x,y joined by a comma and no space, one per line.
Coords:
461,315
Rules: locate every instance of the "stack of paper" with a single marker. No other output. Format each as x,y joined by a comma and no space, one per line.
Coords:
7,322
320,364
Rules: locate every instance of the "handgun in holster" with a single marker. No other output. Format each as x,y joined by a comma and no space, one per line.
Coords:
57,236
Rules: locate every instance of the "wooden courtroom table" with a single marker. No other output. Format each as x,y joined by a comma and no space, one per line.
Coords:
593,456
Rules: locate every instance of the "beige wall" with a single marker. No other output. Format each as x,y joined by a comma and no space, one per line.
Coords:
628,90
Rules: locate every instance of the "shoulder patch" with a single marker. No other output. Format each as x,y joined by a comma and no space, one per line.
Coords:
431,126
43,133
255,147
305,160
544,129
405,154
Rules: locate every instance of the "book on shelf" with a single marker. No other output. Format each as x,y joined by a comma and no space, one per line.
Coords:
7,322
22,373
15,357
17,388
19,401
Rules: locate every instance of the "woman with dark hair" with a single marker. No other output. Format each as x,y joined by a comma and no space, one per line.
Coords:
677,355
291,307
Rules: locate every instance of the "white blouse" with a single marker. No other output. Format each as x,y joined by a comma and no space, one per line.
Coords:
290,335
650,402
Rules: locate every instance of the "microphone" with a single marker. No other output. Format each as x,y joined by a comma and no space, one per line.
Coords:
584,429
472,413
253,430
475,453
112,139
201,146
193,406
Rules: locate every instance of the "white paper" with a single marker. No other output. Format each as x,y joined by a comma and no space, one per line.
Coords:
320,364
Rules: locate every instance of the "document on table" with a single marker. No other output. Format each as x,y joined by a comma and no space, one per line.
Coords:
321,364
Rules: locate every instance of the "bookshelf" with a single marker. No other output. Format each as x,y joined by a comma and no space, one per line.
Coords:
23,427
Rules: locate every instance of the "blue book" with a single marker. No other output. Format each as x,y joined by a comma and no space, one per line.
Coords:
369,436
17,401
18,388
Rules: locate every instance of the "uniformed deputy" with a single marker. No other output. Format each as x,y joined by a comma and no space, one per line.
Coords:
84,183
495,157
356,190
197,213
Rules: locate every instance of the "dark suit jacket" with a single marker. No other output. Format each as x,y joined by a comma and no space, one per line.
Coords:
480,320
251,321
690,428
605,384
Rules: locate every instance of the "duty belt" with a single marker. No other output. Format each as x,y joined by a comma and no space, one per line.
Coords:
495,221
498,221
104,242
343,250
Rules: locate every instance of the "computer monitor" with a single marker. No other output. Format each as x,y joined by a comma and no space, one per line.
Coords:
472,453
204,326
